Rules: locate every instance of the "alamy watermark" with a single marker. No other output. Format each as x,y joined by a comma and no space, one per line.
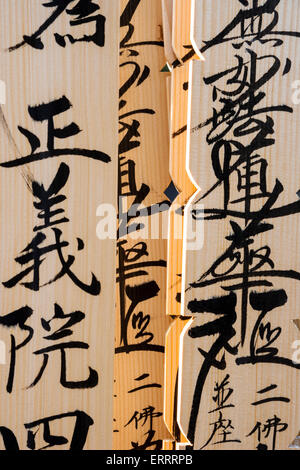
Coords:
152,223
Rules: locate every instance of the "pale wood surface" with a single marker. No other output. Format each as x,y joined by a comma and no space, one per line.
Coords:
180,178
168,86
178,142
245,383
88,76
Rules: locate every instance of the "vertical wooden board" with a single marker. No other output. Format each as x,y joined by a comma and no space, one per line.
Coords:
181,180
183,184
167,16
239,368
171,378
57,294
181,38
179,91
168,86
143,179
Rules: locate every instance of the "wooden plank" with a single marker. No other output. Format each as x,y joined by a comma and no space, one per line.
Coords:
168,86
57,298
141,321
182,182
167,16
185,188
239,372
171,379
181,38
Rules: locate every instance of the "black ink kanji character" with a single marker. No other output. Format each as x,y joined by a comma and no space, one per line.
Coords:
147,415
82,424
255,22
63,331
47,112
224,308
273,425
262,341
143,387
269,399
82,10
149,442
12,320
50,197
222,394
72,319
226,428
33,253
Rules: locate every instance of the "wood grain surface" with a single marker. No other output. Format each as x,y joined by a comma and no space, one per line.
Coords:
239,376
58,165
141,322
185,188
